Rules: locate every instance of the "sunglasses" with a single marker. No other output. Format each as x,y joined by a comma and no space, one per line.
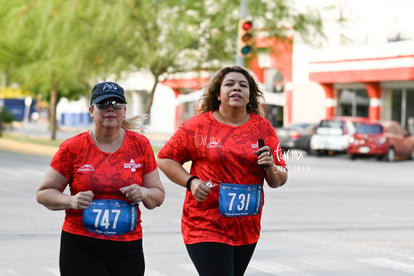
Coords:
105,105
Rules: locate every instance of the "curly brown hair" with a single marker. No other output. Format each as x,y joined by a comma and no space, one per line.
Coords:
209,101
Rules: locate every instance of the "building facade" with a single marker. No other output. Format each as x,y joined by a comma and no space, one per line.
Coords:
364,67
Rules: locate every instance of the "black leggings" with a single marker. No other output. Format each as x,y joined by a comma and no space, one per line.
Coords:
218,259
81,255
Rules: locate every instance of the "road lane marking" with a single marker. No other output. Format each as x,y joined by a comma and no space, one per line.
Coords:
276,268
188,267
390,264
8,272
153,272
54,271
34,171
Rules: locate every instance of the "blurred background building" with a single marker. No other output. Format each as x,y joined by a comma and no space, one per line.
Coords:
363,67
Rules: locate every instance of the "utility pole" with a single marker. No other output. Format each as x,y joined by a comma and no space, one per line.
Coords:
243,15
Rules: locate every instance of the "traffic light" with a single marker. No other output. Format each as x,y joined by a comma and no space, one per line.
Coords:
245,37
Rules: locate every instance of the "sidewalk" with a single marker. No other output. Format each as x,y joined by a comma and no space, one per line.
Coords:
40,130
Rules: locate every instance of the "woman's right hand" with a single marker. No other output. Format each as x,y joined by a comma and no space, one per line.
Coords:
81,200
200,189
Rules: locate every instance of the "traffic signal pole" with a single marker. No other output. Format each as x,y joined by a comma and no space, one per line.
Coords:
243,15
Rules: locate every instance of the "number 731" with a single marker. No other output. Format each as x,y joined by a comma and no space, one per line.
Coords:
242,199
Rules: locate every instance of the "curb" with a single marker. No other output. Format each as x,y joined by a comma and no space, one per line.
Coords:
26,148
44,150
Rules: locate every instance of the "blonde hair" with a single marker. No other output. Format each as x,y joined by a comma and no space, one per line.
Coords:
135,123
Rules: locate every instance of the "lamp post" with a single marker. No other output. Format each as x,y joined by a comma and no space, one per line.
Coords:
27,103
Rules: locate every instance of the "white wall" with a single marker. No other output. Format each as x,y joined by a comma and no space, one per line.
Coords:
308,98
308,102
364,33
163,111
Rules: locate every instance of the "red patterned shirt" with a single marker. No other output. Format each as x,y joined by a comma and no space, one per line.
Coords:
223,154
89,168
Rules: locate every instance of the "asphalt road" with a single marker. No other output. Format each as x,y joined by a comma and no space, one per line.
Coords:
333,217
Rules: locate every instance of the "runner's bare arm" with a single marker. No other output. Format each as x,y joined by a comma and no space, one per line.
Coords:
174,171
50,193
153,190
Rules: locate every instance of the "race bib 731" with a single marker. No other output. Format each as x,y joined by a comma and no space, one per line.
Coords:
240,200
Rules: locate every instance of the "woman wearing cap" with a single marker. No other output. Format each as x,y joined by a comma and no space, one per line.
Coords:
110,170
224,199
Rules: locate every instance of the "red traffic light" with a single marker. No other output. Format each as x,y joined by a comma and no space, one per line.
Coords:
245,37
247,25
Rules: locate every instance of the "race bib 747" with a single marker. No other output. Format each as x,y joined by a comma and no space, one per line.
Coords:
110,217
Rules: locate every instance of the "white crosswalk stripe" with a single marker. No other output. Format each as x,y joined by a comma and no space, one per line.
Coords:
275,268
188,267
21,171
269,267
8,272
152,272
10,173
53,271
390,264
34,172
4,188
265,266
13,272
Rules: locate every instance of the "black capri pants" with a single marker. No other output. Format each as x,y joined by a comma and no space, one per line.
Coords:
219,259
85,256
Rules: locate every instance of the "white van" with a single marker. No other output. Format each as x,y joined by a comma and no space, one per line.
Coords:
332,135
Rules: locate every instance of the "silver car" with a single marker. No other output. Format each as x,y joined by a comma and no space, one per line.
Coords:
296,136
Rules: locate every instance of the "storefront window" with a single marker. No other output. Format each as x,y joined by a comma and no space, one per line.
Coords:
353,103
410,111
396,99
274,114
403,108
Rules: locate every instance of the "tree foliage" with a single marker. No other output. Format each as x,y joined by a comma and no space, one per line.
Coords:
5,118
184,35
53,47
59,47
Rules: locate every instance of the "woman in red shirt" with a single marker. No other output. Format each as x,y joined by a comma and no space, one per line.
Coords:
110,171
223,204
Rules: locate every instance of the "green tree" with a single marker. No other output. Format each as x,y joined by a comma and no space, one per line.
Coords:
53,47
59,47
5,117
183,35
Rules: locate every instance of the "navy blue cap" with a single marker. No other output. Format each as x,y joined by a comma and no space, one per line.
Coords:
107,90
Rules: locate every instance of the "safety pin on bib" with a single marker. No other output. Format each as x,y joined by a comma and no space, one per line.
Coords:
209,184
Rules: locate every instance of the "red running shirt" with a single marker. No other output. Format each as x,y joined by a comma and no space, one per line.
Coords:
89,168
223,154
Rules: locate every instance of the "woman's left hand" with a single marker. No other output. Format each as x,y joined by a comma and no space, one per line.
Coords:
265,157
275,175
134,193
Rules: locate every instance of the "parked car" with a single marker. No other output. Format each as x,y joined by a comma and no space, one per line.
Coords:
332,135
384,140
296,136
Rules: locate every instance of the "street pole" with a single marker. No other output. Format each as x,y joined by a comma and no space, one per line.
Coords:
27,104
243,15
